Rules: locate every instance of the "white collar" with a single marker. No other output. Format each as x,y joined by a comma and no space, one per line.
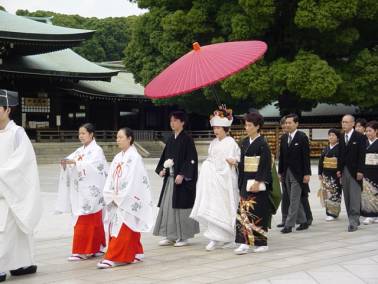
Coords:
9,125
332,146
371,142
349,134
93,142
177,134
252,140
293,134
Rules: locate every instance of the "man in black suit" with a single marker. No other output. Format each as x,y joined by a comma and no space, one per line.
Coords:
295,170
351,167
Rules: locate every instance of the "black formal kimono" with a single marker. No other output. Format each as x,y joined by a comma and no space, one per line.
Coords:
254,208
184,155
176,200
331,183
369,196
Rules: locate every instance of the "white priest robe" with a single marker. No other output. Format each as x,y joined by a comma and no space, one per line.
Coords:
20,200
81,185
217,196
127,194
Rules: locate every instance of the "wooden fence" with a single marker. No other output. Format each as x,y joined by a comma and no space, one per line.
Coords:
315,132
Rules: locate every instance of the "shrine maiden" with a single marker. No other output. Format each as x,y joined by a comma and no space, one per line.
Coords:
82,178
128,200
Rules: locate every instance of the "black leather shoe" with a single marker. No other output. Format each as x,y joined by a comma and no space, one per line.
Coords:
302,227
3,277
309,222
24,270
281,225
352,228
286,230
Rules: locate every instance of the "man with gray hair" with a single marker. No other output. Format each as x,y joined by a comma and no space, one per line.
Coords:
351,168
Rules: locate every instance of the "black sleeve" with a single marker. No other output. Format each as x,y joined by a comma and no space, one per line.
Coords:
160,165
321,159
265,163
340,160
241,165
361,156
190,161
306,156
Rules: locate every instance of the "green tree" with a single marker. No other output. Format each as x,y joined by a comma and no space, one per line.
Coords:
318,50
110,39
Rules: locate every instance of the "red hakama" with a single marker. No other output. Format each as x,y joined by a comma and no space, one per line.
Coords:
89,234
125,246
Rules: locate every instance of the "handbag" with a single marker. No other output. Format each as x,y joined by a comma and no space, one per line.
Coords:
250,182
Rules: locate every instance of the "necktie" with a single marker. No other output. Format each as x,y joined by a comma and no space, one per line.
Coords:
290,139
346,139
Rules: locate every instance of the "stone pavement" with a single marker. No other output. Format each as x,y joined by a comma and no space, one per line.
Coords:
325,253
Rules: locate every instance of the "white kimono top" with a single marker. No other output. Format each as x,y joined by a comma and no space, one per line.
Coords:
81,185
127,194
19,180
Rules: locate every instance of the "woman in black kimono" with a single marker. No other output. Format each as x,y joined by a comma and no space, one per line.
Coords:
327,175
255,184
178,166
369,196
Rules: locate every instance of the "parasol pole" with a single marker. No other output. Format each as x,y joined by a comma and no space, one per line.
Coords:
216,97
197,48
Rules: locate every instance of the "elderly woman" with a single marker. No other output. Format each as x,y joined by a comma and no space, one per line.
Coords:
82,178
217,196
128,204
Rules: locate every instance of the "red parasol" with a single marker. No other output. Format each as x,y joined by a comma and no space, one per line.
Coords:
204,66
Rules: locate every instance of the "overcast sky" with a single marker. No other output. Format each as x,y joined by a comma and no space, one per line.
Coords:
85,8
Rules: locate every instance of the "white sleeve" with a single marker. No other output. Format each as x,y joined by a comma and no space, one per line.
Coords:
233,151
18,137
237,153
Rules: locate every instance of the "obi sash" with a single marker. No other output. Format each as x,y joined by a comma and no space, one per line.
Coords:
371,159
330,163
251,164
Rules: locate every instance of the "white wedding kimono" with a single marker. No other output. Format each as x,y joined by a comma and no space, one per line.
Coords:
217,191
20,200
127,194
81,185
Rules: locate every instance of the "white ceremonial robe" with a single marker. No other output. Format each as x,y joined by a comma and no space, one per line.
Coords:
20,200
217,196
81,185
127,194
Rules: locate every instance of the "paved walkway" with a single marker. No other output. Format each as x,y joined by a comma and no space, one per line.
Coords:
325,253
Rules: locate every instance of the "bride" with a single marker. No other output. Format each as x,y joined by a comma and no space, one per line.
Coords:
217,197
